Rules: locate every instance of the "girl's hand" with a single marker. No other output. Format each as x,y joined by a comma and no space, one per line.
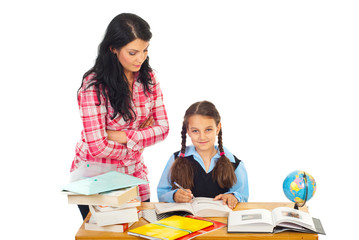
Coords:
148,122
182,196
228,199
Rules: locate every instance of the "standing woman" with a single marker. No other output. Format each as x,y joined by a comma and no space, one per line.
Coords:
121,106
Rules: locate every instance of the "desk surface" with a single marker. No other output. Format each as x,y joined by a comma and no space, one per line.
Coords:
218,234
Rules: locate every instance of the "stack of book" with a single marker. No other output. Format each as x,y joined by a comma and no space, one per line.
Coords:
113,199
113,219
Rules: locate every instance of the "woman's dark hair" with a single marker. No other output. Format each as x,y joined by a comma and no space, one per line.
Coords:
181,170
110,79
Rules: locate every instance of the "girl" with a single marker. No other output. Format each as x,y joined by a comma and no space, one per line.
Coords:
120,104
204,170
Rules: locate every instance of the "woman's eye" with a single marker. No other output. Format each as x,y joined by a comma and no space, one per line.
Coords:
132,53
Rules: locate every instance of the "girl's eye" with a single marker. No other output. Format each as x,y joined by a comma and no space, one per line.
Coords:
132,53
210,129
194,131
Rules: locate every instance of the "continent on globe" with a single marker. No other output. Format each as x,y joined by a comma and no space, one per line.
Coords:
299,187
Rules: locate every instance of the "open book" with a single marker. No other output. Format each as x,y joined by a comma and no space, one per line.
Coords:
279,220
200,206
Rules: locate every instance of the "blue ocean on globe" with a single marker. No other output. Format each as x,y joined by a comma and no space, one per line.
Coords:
294,186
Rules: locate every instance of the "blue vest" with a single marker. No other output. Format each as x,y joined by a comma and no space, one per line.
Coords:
204,185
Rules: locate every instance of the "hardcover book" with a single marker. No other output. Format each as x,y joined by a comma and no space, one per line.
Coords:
111,198
103,183
92,225
115,217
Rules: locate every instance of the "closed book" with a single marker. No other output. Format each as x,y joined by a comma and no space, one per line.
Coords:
115,217
112,198
216,225
103,183
92,225
170,228
132,203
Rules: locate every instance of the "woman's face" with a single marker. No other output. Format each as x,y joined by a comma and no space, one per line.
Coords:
132,55
203,131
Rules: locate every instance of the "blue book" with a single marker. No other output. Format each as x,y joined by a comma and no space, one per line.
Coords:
103,183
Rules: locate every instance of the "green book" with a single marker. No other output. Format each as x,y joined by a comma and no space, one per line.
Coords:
102,183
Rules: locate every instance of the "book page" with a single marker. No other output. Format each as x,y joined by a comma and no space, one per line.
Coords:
171,207
207,207
254,220
288,216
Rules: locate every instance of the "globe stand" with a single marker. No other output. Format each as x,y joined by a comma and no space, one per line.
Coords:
296,205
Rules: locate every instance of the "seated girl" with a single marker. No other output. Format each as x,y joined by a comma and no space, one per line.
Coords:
203,169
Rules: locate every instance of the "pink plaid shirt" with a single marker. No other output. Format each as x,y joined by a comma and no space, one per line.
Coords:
95,151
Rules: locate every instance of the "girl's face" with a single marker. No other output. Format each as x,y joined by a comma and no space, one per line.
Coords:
203,131
132,55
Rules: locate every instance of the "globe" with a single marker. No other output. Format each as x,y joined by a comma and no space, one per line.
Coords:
299,187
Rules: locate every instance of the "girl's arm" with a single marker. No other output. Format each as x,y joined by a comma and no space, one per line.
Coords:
240,189
164,188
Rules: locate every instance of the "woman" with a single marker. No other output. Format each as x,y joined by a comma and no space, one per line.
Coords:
121,105
203,169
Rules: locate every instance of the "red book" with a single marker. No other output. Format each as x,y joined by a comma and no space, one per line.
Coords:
216,225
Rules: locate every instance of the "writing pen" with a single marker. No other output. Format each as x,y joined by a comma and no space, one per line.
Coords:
181,187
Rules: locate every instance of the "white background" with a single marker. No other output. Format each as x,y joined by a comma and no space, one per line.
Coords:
283,74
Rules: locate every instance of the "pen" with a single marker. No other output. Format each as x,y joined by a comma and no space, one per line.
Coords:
181,187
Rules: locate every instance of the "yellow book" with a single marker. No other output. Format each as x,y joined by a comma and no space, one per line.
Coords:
170,228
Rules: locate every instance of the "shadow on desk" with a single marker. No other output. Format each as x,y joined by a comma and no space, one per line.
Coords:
215,235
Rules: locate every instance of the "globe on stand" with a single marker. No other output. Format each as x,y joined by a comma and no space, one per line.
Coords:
299,187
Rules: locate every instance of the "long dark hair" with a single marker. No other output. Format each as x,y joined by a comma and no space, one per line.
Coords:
181,170
110,79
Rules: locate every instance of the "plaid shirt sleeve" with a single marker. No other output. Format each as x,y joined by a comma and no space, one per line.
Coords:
138,139
93,117
95,120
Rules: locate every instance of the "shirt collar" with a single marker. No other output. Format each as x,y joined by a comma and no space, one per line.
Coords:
191,150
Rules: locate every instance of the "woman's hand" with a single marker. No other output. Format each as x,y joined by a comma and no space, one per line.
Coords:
121,137
228,199
182,196
148,122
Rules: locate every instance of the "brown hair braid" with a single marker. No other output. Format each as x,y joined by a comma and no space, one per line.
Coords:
181,170
223,172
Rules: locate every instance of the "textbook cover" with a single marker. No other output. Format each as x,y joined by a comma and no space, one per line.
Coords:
103,183
169,228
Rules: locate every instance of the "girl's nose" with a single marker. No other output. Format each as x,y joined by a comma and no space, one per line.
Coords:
201,135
